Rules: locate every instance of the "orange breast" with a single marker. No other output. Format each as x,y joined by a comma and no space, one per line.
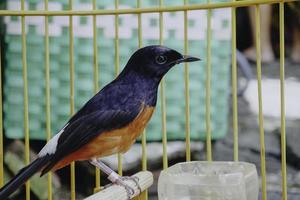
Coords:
111,142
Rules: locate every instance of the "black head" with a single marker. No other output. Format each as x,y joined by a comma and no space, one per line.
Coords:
155,61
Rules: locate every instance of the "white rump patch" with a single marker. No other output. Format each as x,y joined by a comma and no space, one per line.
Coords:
50,147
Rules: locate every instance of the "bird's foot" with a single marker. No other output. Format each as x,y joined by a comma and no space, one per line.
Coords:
134,179
130,191
117,179
121,181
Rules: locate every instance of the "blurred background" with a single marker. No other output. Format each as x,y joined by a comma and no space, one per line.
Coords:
173,34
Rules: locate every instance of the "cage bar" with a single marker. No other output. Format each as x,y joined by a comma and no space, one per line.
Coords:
47,92
234,86
208,89
206,6
25,96
72,101
144,194
96,84
117,68
187,89
260,114
162,94
144,138
144,147
282,102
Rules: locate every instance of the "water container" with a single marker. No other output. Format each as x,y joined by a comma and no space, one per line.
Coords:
203,180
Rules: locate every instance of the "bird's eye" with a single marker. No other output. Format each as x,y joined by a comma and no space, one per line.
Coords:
161,59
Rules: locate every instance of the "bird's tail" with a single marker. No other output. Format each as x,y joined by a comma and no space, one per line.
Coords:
22,176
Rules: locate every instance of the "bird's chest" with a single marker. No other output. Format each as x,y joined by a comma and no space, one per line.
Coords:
136,127
120,140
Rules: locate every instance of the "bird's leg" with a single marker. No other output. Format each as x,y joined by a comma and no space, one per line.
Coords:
116,178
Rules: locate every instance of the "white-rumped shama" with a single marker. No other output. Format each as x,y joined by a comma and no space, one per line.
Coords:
110,121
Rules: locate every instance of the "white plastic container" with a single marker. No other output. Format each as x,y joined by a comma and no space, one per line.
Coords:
202,180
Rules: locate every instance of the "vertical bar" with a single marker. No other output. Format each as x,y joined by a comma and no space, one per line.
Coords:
260,114
282,102
47,90
95,51
117,67
187,91
72,108
1,125
144,195
162,94
140,44
144,160
117,62
208,89
234,85
140,36
25,94
96,79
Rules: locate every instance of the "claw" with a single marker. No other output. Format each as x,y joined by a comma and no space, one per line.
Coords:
129,190
135,180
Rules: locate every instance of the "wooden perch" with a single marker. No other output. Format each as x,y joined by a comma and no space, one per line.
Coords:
117,192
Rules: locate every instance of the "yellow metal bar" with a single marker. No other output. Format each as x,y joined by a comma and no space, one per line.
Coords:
96,79
144,195
234,85
140,44
95,50
162,94
47,90
117,69
140,36
260,114
117,62
282,103
187,89
25,95
208,89
206,6
72,107
1,126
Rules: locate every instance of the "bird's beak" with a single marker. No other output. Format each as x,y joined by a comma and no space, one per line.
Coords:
186,58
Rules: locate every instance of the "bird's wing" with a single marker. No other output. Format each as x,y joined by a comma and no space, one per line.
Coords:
82,130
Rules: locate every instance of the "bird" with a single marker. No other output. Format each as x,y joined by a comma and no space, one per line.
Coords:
110,121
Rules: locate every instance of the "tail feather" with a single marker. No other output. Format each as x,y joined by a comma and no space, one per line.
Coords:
22,176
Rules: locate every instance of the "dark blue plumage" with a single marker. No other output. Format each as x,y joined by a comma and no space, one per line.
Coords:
124,106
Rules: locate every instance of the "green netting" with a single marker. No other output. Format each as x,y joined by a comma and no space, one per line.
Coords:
83,58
